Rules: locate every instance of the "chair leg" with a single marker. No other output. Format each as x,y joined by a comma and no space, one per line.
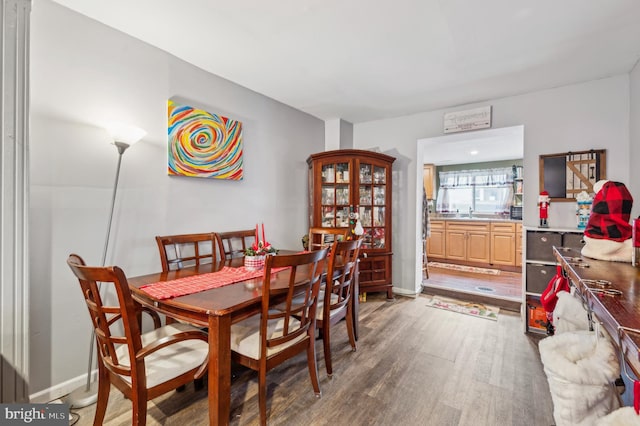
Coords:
139,402
198,384
351,329
104,386
326,344
313,366
262,395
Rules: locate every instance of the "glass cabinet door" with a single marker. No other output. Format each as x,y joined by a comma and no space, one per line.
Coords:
335,196
372,199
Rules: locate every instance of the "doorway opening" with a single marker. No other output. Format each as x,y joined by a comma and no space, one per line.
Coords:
470,252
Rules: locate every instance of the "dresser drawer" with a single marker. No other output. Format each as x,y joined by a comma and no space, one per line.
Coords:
575,241
540,245
538,277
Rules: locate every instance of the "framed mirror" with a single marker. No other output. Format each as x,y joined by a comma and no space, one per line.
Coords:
566,175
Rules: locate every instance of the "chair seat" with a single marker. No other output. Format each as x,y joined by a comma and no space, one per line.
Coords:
170,361
320,308
245,337
319,311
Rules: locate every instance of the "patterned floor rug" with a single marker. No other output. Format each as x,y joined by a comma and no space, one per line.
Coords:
463,268
469,308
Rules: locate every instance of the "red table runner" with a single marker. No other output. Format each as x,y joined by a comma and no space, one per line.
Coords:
196,283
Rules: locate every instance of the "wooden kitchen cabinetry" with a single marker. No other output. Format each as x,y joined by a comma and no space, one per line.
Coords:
436,241
428,177
347,181
519,238
476,242
468,241
503,243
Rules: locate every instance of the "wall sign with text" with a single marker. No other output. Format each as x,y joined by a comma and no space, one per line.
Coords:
472,119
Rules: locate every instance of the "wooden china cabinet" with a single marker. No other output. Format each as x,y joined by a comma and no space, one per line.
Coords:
346,181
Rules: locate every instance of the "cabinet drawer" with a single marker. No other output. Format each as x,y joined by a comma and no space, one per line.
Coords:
468,226
437,224
573,240
540,245
538,277
503,227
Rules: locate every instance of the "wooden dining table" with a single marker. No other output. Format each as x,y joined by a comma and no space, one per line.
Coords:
215,309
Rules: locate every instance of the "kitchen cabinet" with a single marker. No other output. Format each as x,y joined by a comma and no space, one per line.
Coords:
428,177
503,243
468,241
476,242
343,182
436,241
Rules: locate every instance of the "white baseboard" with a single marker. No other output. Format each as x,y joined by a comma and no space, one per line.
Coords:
59,390
405,292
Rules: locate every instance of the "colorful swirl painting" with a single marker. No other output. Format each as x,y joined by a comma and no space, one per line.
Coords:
202,144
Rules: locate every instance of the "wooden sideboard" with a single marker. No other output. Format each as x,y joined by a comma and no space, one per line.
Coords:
613,312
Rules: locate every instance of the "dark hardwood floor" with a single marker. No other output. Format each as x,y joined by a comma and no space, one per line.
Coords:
415,365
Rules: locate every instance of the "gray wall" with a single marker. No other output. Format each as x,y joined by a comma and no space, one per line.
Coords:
570,118
84,74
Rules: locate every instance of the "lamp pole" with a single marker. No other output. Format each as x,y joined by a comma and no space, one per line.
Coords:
88,394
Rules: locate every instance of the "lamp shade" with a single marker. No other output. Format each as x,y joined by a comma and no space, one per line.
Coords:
126,133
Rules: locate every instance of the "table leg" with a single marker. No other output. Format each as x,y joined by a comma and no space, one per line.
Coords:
219,369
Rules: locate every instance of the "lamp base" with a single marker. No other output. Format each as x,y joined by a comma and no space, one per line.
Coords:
82,397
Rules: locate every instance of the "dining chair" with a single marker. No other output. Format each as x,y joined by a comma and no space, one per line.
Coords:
183,250
141,365
322,237
335,301
264,341
234,243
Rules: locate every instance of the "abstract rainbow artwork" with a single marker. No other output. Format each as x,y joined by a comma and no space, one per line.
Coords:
202,144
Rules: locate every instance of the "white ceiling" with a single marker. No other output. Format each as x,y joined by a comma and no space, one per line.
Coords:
363,60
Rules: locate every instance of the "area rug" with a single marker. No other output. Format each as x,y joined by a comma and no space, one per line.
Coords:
463,268
469,308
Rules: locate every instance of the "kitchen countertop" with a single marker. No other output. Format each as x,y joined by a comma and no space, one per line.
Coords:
475,219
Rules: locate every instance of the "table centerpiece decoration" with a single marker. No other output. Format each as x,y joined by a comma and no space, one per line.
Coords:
255,255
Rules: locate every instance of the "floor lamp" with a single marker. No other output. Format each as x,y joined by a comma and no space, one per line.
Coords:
123,138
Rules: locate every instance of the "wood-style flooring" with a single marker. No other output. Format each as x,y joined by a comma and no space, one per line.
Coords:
504,290
415,365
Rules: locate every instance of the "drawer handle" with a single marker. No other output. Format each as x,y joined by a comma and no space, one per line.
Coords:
543,272
543,239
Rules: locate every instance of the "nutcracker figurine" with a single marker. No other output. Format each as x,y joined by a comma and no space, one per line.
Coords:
543,206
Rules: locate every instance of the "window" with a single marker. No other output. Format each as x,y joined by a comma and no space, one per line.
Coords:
488,191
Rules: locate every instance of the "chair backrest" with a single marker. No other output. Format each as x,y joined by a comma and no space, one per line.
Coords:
341,275
181,251
234,243
320,237
114,325
297,312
